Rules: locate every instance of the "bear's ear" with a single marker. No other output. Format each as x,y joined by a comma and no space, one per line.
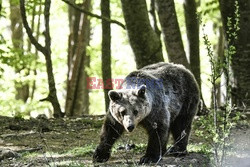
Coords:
114,96
141,91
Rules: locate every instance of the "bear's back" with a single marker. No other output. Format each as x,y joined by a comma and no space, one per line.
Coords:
173,76
179,84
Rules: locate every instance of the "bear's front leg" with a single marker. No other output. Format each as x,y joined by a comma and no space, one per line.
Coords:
111,131
156,144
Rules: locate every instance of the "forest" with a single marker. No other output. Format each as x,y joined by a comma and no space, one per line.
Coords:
59,59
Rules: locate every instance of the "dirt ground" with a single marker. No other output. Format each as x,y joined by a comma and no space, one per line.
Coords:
71,142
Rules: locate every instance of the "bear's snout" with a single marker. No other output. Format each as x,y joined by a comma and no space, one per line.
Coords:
131,128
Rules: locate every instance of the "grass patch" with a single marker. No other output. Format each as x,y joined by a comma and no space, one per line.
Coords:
92,123
30,155
200,148
86,150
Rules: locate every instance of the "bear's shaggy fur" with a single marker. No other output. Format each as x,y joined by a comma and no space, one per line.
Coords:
161,97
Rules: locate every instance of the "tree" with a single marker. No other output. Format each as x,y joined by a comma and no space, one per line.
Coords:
35,13
0,7
46,51
106,52
220,93
171,32
144,41
192,27
22,88
236,23
77,100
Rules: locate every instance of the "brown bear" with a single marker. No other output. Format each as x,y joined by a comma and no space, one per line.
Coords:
162,98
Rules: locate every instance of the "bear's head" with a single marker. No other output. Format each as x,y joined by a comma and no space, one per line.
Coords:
130,106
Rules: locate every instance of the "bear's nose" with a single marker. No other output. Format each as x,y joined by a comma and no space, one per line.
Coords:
131,128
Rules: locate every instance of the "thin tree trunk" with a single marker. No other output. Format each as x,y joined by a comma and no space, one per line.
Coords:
220,57
171,32
153,15
219,85
192,27
145,43
0,7
86,102
106,51
73,63
36,51
32,25
77,100
17,40
46,50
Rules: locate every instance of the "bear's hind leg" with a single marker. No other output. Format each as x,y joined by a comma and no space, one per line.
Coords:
180,130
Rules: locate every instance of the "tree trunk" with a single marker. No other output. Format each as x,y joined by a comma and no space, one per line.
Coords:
17,40
240,59
154,18
0,8
36,51
220,56
220,84
46,50
77,100
192,27
171,32
145,43
106,52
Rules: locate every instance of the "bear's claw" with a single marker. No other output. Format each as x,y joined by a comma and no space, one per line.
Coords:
101,155
149,159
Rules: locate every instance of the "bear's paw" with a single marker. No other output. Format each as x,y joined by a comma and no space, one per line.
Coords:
149,159
101,155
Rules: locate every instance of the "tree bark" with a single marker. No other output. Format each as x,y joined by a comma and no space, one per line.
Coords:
46,50
240,60
17,41
106,50
171,32
145,43
77,100
192,27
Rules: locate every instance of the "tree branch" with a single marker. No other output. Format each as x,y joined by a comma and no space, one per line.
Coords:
94,15
47,33
45,99
28,29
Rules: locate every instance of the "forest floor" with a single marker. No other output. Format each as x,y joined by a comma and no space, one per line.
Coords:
71,142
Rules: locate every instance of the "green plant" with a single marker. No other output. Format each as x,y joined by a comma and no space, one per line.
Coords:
219,124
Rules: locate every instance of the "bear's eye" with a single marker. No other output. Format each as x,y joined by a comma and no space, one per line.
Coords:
123,113
135,112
